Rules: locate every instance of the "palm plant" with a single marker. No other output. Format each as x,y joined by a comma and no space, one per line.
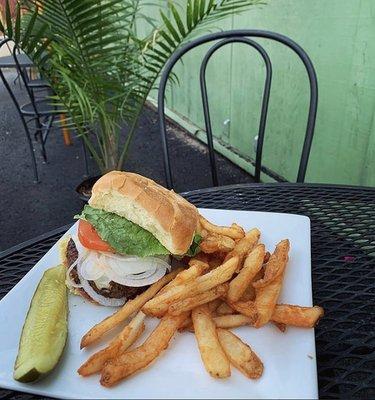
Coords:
100,70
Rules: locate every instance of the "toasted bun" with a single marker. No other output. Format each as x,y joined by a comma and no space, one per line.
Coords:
168,216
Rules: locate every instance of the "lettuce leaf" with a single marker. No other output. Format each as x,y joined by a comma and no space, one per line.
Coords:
121,234
194,248
126,237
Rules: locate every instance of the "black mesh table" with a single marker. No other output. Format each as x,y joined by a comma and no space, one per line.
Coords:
343,269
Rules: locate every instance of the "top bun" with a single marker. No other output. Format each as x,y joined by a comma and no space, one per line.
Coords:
164,213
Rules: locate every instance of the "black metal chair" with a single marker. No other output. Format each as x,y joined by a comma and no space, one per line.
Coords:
240,36
38,109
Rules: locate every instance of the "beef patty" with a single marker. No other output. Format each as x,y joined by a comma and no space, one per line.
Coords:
114,290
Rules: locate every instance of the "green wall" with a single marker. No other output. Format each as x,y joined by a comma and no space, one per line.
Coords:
339,36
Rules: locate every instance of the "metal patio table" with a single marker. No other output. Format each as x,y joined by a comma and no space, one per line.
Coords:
343,271
8,61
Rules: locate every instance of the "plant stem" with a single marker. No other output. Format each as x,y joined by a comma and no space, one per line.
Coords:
131,133
112,153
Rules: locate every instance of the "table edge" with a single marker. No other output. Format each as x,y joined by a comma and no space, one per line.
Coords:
63,229
22,245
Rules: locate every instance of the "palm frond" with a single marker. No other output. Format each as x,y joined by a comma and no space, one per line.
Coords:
163,41
100,70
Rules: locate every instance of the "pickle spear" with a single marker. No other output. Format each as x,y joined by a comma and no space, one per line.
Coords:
45,330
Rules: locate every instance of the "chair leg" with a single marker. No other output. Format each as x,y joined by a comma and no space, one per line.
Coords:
48,128
33,159
39,135
44,136
85,158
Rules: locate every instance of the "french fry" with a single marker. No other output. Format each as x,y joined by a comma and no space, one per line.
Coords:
195,301
187,325
252,264
283,314
130,307
224,309
244,245
275,265
201,231
214,304
232,321
188,274
221,321
216,259
213,356
249,294
303,317
196,269
247,308
266,297
281,327
260,274
200,257
159,305
214,242
134,360
234,232
240,354
119,345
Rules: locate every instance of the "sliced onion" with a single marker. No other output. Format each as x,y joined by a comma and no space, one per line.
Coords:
142,275
93,267
134,281
69,279
104,301
125,270
134,265
121,257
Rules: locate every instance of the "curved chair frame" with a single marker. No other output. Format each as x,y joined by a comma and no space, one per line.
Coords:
43,119
240,36
18,106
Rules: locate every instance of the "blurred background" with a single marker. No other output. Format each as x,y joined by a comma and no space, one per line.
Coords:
339,37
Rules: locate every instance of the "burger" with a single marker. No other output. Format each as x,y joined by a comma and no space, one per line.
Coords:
128,234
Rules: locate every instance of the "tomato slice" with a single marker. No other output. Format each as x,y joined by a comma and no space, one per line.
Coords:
89,238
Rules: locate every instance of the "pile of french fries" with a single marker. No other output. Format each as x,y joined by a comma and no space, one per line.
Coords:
233,282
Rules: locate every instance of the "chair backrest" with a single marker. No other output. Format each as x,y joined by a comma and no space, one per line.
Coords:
240,36
22,74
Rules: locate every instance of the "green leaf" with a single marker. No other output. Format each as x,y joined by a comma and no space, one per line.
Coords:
165,47
194,248
178,20
36,39
196,11
167,38
8,19
30,27
202,8
2,28
42,49
170,27
123,235
17,26
189,14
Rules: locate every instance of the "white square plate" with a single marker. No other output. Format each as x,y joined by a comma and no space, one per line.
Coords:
288,358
